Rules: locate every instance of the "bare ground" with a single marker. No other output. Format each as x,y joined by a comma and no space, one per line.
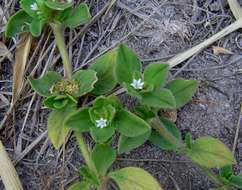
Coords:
157,30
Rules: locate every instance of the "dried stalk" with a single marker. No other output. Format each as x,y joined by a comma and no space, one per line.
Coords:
179,58
8,173
235,8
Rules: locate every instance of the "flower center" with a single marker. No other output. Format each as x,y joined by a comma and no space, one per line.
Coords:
137,84
101,123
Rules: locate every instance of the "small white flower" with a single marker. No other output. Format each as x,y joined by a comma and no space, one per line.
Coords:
137,84
34,7
101,123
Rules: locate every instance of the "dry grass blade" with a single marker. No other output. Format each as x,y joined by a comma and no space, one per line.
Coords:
235,8
4,52
21,58
179,58
8,173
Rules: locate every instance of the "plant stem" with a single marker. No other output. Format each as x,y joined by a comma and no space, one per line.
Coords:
85,152
104,185
60,41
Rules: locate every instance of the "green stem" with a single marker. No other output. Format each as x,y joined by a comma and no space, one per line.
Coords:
85,152
60,41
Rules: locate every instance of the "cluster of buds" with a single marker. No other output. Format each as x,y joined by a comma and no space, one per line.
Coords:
65,86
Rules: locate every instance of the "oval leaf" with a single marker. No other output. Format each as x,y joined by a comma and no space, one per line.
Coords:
105,68
36,27
103,157
79,120
166,135
43,85
56,130
127,64
182,90
159,99
102,135
156,74
131,178
126,144
84,185
80,15
130,125
18,23
210,152
86,80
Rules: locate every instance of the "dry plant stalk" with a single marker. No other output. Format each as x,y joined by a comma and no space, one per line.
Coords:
179,58
237,12
8,173
21,57
235,8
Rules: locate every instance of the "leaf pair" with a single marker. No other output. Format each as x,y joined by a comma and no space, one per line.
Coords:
151,87
104,117
36,13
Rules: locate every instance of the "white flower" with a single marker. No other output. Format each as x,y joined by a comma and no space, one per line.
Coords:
137,84
101,123
34,7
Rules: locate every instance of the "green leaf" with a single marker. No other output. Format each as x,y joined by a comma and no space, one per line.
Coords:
127,63
56,102
236,180
144,112
79,120
43,85
156,74
102,135
84,185
226,171
162,98
105,68
56,130
126,144
210,152
36,27
18,23
58,5
62,15
188,140
130,125
86,80
80,15
183,90
131,178
166,135
89,176
103,157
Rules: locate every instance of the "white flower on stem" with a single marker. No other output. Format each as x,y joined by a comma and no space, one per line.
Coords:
137,84
34,7
101,123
